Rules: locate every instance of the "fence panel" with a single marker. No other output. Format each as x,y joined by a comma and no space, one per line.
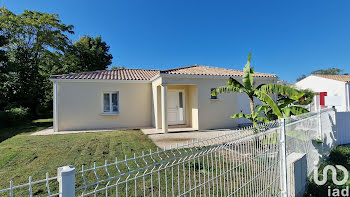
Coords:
313,134
240,163
343,127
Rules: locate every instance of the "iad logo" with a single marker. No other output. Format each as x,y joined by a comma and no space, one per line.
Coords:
335,191
334,175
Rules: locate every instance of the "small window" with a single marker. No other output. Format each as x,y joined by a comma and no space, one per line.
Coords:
111,102
211,96
181,105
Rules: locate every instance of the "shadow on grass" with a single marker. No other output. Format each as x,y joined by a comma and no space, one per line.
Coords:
24,127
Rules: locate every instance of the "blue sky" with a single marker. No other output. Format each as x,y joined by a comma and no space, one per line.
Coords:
288,38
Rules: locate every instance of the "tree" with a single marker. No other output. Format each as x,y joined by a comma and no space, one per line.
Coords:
117,67
87,54
328,71
3,54
261,92
3,62
32,36
301,77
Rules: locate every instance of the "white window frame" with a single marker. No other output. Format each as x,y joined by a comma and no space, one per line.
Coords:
211,97
110,103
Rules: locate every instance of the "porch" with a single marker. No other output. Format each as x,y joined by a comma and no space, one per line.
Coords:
175,108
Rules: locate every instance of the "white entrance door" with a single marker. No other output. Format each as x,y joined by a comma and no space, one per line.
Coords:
176,107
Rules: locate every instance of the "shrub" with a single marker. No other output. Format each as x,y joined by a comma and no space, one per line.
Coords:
338,156
13,116
18,114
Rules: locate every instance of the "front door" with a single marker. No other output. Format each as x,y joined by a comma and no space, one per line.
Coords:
176,107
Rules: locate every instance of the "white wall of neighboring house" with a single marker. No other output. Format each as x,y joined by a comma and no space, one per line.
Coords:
332,87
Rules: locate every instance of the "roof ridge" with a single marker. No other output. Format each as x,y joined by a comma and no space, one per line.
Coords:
220,68
197,65
183,67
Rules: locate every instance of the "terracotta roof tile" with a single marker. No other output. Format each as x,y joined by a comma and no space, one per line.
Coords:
118,74
215,71
343,78
144,74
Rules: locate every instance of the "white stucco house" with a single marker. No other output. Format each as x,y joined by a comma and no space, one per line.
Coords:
136,98
334,89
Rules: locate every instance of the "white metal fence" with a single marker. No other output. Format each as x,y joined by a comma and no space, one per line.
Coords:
246,162
343,127
313,134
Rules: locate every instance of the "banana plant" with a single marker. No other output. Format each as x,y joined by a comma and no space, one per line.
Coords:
261,92
286,106
254,118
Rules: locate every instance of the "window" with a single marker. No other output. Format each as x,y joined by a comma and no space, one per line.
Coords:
111,102
211,96
181,105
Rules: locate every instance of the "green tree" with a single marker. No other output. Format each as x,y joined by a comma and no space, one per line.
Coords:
87,54
328,71
262,92
301,77
117,67
32,36
3,62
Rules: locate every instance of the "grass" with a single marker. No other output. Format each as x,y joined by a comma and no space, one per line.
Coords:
24,127
24,155
338,156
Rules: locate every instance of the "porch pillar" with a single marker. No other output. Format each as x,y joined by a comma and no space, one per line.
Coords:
164,89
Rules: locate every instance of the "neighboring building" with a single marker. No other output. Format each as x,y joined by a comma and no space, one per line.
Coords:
333,89
135,98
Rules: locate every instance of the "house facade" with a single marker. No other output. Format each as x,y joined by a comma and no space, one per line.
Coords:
136,98
334,90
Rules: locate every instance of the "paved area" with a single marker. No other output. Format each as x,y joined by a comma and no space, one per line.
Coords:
49,131
152,131
174,137
181,136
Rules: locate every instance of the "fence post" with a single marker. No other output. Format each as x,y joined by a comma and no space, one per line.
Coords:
66,180
283,159
319,124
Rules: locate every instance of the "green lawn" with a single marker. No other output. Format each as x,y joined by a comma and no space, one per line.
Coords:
35,125
23,155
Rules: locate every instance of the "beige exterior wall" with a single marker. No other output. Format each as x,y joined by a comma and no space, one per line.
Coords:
212,114
80,105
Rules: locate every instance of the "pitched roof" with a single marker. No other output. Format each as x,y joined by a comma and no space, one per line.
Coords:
117,74
343,78
214,71
143,74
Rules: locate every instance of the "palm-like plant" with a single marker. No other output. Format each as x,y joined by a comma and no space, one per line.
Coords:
289,106
262,92
286,106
